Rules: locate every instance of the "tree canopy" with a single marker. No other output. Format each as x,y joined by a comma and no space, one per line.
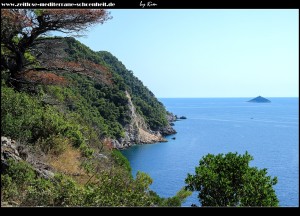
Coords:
21,27
228,180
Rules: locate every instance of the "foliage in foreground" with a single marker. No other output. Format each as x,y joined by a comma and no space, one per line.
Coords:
20,184
228,180
26,118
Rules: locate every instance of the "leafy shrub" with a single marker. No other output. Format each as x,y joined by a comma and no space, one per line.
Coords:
55,144
228,180
40,192
9,189
15,179
24,117
21,173
120,159
19,113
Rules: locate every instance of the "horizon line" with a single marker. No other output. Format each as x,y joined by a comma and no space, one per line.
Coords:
228,97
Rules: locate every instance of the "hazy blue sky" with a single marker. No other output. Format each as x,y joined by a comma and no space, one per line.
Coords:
205,53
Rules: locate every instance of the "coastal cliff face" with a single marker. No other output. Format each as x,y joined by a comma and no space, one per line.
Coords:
137,131
129,112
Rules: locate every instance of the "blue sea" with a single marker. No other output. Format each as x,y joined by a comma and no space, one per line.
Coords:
268,131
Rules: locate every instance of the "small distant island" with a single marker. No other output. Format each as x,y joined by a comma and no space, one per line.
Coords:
259,99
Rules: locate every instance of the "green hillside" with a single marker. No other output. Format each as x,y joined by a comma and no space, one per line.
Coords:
63,121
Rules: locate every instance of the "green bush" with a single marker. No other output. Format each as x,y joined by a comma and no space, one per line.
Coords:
15,180
20,183
19,114
113,187
228,180
40,192
21,173
55,144
68,193
25,117
121,160
176,200
9,189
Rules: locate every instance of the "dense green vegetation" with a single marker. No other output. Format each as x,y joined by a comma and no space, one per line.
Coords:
103,105
228,180
26,118
19,183
79,110
146,103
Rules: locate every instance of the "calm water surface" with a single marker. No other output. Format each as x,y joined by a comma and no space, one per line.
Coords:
269,132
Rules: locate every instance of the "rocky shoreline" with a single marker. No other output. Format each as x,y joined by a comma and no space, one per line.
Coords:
140,134
138,131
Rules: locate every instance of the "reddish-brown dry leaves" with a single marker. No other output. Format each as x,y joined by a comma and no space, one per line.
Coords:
95,71
45,78
21,27
36,22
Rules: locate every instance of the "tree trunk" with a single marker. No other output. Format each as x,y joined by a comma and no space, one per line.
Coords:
17,70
